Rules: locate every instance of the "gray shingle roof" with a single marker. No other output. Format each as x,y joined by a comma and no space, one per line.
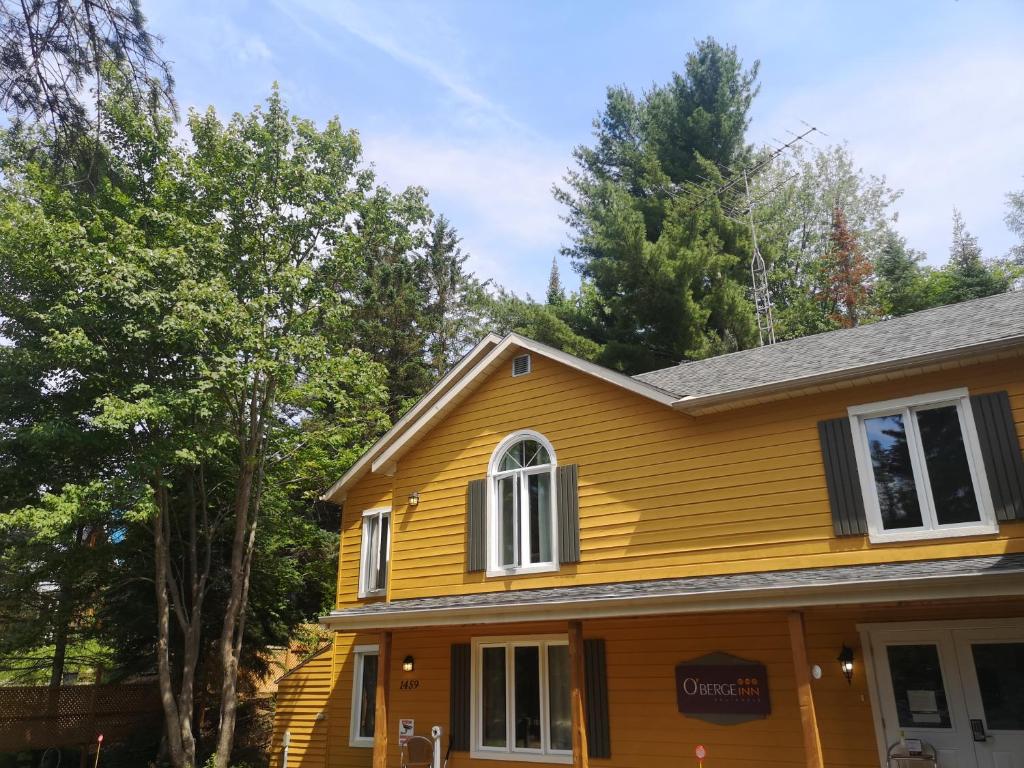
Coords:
696,586
943,329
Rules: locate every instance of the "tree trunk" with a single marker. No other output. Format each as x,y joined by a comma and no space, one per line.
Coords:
60,646
229,643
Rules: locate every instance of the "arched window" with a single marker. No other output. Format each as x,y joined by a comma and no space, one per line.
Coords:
522,508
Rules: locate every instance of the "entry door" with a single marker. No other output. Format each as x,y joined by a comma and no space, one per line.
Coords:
992,668
920,693
959,688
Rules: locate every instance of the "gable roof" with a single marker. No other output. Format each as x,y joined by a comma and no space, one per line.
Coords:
987,324
458,384
931,337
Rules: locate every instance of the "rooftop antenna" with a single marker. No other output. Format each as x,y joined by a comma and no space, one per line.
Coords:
759,278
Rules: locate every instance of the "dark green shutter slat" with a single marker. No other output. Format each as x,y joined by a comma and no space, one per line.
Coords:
1001,452
567,479
844,494
458,714
595,676
476,525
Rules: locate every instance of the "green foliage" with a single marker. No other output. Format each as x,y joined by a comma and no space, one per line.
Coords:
668,268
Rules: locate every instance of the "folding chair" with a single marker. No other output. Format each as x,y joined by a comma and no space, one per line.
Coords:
900,757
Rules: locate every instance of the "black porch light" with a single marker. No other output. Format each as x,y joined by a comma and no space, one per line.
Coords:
408,664
846,662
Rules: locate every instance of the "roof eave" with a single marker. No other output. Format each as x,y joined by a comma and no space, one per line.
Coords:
694,404
964,586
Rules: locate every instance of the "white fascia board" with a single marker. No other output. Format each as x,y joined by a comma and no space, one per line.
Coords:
398,446
692,404
362,466
1006,584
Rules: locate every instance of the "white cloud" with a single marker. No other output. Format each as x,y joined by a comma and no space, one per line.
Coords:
945,128
496,191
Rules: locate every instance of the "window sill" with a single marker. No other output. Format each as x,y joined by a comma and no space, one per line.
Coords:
522,757
372,595
361,743
524,570
917,534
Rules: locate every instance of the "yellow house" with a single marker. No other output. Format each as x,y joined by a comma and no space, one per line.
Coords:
805,554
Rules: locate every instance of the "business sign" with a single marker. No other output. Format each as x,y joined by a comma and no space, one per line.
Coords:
723,689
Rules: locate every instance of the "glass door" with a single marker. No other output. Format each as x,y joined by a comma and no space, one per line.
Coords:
992,667
920,695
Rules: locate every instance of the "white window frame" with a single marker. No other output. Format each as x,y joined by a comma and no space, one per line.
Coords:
368,554
930,528
493,528
510,753
359,653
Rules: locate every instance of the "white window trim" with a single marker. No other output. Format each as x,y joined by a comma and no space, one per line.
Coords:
359,652
494,568
479,752
930,529
365,553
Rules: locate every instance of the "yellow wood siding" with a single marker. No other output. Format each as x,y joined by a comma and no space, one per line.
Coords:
301,696
646,727
662,494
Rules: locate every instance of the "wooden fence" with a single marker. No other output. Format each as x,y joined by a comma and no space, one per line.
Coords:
37,717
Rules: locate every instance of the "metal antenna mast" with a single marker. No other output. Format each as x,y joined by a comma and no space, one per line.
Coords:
759,278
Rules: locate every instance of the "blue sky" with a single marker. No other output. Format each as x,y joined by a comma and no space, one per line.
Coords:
482,102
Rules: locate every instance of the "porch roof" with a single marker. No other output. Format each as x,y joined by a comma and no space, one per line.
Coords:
968,577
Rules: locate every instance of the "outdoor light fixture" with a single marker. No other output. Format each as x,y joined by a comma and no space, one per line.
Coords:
846,662
414,498
408,663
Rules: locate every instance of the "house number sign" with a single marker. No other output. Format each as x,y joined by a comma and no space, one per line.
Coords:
722,688
409,685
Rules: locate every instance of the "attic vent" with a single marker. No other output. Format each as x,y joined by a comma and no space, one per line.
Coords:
521,365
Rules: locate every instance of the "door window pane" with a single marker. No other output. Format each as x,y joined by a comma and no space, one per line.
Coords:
894,476
527,705
948,471
493,697
368,695
539,490
1000,669
918,686
559,716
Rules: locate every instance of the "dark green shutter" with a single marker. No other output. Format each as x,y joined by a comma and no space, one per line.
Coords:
844,494
476,526
1000,450
595,677
458,713
568,510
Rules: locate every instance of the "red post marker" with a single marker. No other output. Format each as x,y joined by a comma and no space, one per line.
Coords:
701,753
99,744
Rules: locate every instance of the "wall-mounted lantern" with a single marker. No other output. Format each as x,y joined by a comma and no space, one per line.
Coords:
846,662
408,664
414,498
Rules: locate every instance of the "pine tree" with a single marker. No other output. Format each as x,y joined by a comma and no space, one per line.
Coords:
555,294
966,275
668,267
901,283
847,272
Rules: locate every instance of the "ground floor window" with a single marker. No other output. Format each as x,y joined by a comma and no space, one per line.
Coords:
364,695
521,698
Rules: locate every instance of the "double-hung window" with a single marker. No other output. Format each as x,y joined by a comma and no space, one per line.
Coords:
921,470
375,552
521,700
521,508
364,695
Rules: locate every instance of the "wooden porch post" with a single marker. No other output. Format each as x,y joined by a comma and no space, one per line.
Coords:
805,697
580,758
380,722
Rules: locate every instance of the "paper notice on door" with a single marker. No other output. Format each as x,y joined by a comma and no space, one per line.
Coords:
922,702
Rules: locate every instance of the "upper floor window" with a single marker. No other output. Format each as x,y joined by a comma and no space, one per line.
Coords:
522,519
375,552
921,468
